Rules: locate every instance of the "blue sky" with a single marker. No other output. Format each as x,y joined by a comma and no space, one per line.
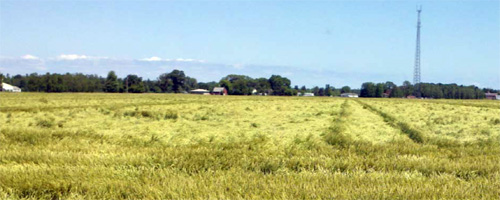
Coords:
311,42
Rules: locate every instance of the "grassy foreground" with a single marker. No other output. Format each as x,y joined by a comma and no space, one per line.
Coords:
156,146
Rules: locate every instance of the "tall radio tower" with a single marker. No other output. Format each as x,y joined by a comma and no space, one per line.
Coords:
416,72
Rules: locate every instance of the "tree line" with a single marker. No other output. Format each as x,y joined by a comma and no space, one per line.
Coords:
173,82
424,90
176,81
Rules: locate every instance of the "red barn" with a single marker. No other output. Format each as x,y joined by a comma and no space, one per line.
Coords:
219,91
491,96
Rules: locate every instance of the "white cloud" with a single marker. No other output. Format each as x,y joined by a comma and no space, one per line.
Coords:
154,58
185,60
189,60
239,66
42,68
72,57
29,57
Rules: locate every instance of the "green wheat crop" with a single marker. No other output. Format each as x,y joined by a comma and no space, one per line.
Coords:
165,146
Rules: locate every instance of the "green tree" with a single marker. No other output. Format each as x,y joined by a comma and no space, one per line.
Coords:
345,89
226,84
172,82
279,84
368,89
208,85
240,87
239,84
303,89
407,88
262,85
396,93
190,83
379,90
111,84
134,84
321,92
336,92
328,90
315,91
389,85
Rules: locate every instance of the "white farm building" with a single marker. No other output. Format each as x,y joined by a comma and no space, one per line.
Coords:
200,91
353,95
10,88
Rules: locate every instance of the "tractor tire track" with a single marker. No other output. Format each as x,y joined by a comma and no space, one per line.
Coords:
414,134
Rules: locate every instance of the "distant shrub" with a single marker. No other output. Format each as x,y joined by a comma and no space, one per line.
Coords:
149,114
269,167
170,114
129,113
198,117
439,120
43,100
46,123
105,111
60,124
485,132
154,138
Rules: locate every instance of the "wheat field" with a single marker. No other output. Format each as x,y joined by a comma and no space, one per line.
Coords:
168,146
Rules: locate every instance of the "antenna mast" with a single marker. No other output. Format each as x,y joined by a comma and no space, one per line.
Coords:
416,72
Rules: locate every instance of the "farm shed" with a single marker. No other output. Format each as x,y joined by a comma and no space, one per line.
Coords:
219,91
308,94
352,95
200,91
10,88
491,96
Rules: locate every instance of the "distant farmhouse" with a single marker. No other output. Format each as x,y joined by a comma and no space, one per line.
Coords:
254,92
308,94
200,91
492,96
10,88
387,94
219,91
352,95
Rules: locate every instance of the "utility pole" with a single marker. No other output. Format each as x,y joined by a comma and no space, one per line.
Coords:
416,72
